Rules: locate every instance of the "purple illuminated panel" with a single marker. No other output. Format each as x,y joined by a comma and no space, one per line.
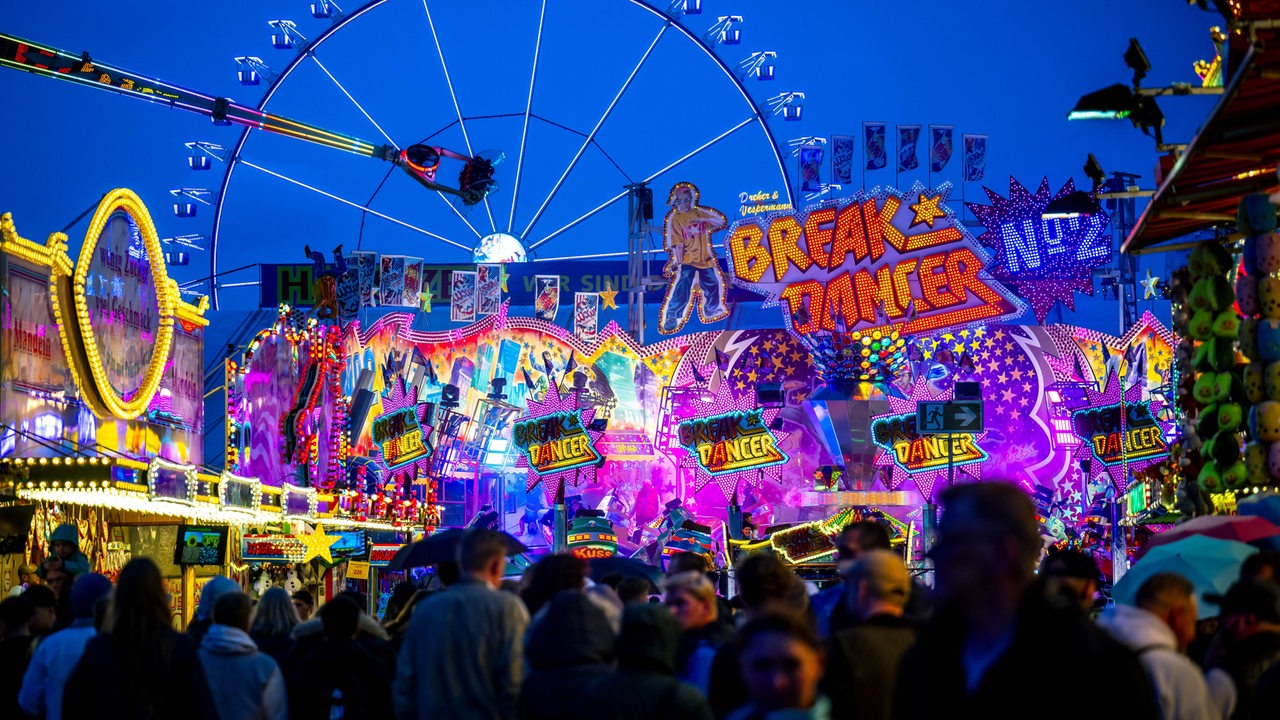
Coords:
123,310
167,483
297,503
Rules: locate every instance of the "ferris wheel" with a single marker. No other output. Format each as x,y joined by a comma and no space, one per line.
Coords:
568,103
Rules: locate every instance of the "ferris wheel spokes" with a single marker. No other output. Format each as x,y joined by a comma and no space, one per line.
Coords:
688,156
359,107
448,79
591,135
528,110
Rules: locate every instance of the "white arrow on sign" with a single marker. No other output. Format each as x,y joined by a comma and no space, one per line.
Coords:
966,416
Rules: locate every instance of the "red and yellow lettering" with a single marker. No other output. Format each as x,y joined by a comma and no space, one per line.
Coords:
840,301
795,294
784,237
873,293
932,283
819,227
850,236
750,259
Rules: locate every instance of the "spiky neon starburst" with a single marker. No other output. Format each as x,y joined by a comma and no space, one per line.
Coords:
1110,395
925,480
552,403
403,475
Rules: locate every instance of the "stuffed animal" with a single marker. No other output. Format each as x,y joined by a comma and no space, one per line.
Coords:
1269,340
1209,478
1264,421
1269,297
1268,253
1226,324
1255,384
1201,325
1208,260
291,582
1255,214
1247,294
1235,476
1273,462
1256,459
1249,255
1204,390
1247,338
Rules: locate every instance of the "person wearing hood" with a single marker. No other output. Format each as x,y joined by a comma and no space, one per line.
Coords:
645,685
570,646
57,655
250,685
1158,627
65,556
213,590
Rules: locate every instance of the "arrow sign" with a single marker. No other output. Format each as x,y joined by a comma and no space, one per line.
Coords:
954,416
966,417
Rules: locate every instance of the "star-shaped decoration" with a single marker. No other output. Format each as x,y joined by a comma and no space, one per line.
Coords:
318,544
927,210
554,403
424,299
608,297
503,275
1149,285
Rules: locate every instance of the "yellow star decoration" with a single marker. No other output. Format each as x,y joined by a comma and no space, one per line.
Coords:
318,544
607,297
927,210
504,275
425,299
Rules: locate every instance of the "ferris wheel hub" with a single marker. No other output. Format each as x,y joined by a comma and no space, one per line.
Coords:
500,247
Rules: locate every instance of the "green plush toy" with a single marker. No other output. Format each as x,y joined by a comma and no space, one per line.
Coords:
1209,478
1224,387
1201,296
1201,325
1255,387
1230,417
1224,448
1207,421
1216,354
1222,295
1247,337
1208,259
1204,390
1226,324
1235,475
1255,463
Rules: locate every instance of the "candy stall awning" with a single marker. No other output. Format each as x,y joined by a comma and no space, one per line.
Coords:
1234,153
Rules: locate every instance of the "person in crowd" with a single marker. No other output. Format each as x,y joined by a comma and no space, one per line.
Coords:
373,636
64,541
463,654
332,676
606,598
682,562
272,626
634,590
304,603
830,607
1158,627
569,647
691,600
397,628
45,605
139,668
28,575
248,684
400,595
56,578
983,652
644,686
212,591
766,586
612,579
551,574
58,654
15,644
1072,577
781,660
1249,631
1261,567
863,659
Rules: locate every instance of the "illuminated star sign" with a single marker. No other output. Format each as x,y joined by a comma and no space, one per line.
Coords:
556,441
403,434
1046,260
1149,285
884,260
922,458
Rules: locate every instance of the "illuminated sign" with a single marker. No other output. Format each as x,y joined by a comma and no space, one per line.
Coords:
1141,438
271,548
1044,254
555,443
760,202
731,442
380,555
868,261
400,435
591,537
914,452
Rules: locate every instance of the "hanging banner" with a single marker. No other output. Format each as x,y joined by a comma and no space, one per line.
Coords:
546,298
975,157
391,280
842,158
488,289
586,315
940,147
874,145
366,264
870,261
811,168
412,283
908,139
462,302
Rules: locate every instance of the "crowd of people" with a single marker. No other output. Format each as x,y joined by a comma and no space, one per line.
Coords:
1003,633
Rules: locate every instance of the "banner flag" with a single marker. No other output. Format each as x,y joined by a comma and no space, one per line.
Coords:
391,280
908,139
366,264
488,289
940,146
842,159
546,298
412,282
462,303
874,145
811,168
975,157
586,315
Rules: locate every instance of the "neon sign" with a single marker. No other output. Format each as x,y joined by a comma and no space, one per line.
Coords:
401,438
555,443
732,442
914,452
869,261
1140,439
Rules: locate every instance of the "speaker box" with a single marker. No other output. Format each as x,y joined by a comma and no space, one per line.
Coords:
769,395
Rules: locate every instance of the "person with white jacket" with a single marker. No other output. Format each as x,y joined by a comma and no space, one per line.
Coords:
1159,627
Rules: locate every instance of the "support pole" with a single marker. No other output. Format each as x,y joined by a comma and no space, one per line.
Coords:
188,594
560,543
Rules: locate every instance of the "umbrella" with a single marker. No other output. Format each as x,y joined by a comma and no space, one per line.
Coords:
438,548
1265,505
627,567
1209,563
1241,528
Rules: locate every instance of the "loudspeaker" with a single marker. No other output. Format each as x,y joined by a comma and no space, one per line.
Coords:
449,396
598,424
770,395
968,391
646,203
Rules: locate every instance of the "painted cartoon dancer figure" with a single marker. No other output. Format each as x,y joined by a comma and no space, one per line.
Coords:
687,238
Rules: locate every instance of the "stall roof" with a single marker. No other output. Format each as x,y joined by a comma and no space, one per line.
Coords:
1235,153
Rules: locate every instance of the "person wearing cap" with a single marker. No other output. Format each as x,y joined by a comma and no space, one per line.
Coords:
65,556
217,586
1159,627
1249,626
862,660
1072,577
57,655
